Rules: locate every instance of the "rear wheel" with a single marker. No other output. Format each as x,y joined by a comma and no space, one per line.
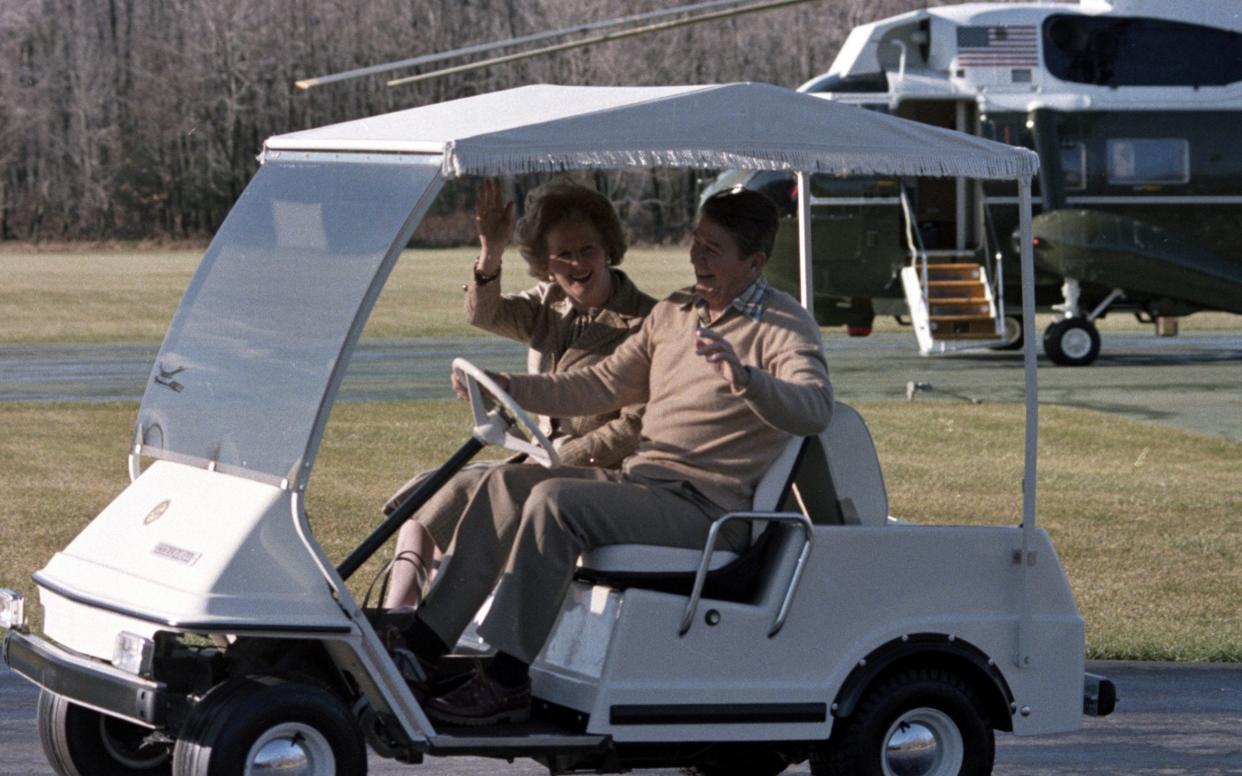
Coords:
919,722
1013,339
78,741
256,726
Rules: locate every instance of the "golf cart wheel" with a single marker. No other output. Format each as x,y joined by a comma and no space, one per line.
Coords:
1072,342
250,727
752,760
919,722
83,742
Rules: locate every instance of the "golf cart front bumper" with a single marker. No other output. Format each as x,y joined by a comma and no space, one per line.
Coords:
1099,696
88,682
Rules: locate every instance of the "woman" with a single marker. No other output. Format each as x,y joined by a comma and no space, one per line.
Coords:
584,307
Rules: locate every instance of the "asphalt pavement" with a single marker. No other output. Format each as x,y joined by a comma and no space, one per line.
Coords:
1192,382
1171,720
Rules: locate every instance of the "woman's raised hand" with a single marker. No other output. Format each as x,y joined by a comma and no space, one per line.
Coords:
495,219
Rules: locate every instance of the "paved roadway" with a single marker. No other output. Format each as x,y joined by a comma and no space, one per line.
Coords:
1171,720
1190,381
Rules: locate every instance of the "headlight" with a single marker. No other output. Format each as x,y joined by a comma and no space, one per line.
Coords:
12,610
133,653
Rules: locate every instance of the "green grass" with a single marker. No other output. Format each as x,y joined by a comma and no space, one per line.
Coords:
116,296
1151,538
130,295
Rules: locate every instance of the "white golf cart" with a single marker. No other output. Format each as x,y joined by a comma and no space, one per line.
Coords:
196,627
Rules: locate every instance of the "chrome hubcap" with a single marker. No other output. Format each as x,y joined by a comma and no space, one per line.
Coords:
1076,343
923,742
291,749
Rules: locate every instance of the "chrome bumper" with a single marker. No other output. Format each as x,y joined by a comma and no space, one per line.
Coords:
1099,696
88,682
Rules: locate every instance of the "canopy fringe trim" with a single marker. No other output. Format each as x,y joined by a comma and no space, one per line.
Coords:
466,161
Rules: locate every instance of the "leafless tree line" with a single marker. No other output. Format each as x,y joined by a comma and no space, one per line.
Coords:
130,119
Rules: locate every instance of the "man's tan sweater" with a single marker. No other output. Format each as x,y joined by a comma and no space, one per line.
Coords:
696,428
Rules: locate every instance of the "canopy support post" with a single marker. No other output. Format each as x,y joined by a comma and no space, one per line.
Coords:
804,242
1026,556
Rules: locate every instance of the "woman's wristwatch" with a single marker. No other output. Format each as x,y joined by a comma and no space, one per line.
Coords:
482,278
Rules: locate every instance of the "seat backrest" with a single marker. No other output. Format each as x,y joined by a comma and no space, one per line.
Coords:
774,484
839,478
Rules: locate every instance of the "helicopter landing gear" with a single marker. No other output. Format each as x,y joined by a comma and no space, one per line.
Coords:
1074,340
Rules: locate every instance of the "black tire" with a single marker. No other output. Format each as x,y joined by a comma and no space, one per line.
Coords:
1072,342
936,707
242,720
741,760
83,742
1013,334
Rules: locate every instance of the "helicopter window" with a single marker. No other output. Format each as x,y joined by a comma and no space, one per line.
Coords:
1148,160
1111,51
1074,166
857,82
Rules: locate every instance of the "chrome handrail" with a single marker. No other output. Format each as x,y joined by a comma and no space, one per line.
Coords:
713,534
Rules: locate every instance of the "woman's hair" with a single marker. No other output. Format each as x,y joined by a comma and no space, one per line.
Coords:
557,202
749,216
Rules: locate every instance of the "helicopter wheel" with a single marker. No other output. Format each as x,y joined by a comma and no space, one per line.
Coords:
1072,342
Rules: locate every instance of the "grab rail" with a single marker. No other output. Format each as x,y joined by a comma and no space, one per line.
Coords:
700,578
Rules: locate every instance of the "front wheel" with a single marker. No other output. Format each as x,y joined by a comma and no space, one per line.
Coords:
922,722
78,741
254,726
1072,342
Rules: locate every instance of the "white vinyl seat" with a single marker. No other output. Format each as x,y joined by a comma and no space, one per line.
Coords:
834,478
627,559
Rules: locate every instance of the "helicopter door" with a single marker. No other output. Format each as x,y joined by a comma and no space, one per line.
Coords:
954,298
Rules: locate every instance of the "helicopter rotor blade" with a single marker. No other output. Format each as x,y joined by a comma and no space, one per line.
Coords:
597,39
482,48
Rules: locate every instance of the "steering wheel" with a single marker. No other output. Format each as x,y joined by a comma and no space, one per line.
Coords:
495,426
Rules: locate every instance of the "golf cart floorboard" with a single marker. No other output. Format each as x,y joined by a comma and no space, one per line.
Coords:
514,739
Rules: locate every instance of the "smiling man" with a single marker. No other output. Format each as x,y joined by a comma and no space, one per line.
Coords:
730,369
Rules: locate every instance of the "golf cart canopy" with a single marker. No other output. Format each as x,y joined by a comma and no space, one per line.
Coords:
246,376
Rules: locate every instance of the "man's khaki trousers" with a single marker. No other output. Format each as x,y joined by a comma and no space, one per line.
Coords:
526,525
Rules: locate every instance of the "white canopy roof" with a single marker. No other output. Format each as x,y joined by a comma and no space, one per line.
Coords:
546,128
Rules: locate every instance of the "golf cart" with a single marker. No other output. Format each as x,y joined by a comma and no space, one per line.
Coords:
196,627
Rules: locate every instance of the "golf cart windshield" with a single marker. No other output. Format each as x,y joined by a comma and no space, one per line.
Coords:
259,342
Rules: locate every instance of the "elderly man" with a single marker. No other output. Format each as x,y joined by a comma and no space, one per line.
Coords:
729,369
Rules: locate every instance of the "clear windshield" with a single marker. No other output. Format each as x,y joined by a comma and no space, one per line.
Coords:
258,344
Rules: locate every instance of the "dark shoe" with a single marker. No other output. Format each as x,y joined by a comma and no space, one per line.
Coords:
481,701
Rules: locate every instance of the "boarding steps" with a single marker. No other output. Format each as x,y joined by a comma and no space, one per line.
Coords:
952,305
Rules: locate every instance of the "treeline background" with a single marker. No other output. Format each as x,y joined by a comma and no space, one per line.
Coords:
141,119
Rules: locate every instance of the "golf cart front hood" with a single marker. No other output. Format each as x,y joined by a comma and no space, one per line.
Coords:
188,549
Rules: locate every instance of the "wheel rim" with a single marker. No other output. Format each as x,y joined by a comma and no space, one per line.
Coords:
291,749
1013,329
923,742
126,744
1076,343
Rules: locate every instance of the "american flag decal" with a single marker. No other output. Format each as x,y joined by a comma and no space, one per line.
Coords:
998,45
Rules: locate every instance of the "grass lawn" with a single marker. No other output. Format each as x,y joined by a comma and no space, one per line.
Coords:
119,295
1151,538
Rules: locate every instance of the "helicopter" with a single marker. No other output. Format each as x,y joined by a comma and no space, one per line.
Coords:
1132,106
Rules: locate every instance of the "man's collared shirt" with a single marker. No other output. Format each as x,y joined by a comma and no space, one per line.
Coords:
751,302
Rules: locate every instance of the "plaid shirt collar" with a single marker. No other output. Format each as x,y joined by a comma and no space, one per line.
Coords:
751,302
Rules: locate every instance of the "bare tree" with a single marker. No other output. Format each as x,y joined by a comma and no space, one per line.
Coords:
142,118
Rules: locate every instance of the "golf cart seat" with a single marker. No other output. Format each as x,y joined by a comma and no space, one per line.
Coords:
833,478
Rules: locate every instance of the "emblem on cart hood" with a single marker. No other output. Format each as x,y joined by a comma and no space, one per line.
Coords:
157,512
